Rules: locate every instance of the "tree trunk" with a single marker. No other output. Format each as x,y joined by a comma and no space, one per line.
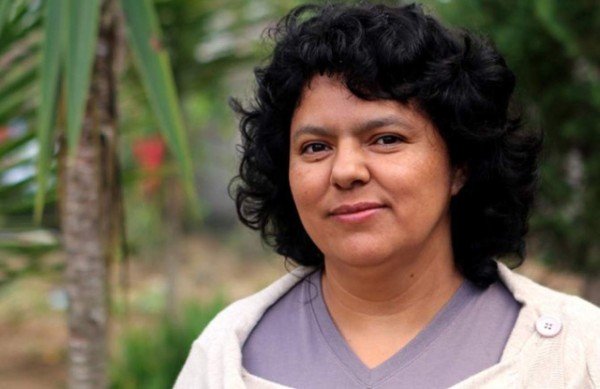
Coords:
87,258
87,217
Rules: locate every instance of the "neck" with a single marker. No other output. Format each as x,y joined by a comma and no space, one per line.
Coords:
378,310
417,288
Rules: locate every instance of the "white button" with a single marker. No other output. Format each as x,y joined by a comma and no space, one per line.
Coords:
548,326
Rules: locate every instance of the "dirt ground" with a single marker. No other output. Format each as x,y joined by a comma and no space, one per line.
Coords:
32,319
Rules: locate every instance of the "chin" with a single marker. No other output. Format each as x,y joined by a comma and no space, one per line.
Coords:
358,258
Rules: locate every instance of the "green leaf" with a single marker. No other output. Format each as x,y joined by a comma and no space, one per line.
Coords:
82,35
15,189
10,145
9,108
49,73
23,80
547,13
153,63
4,11
20,20
22,204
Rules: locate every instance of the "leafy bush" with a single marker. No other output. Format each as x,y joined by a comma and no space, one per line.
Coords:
151,358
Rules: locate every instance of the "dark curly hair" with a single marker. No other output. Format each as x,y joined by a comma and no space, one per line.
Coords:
458,80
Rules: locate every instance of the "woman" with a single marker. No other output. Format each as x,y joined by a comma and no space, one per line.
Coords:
381,157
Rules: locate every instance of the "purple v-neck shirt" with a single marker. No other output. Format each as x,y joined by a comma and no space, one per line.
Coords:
297,344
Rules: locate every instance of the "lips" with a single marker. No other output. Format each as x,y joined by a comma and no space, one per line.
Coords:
356,212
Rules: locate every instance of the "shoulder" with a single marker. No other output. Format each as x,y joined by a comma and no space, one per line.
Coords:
242,315
218,348
577,311
579,320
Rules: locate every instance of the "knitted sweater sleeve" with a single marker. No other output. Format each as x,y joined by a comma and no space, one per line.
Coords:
582,343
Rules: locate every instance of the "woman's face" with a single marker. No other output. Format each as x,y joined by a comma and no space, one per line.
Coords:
371,180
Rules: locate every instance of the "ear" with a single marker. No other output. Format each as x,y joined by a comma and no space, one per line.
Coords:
460,174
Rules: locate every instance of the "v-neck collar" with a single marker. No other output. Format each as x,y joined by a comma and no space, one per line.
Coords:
401,359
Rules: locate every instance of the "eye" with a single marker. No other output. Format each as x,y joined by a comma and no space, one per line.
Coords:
388,139
313,148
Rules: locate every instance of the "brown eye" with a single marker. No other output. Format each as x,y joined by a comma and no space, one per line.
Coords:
313,148
388,140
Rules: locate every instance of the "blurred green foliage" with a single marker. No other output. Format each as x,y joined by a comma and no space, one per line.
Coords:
553,48
22,243
151,357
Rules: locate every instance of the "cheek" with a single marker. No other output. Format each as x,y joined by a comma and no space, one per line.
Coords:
422,178
300,184
414,171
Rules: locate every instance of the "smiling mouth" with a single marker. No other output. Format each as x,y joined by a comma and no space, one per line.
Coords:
356,212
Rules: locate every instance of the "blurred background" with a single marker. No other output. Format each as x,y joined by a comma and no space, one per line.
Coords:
162,142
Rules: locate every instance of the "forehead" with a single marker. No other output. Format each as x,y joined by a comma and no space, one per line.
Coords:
326,101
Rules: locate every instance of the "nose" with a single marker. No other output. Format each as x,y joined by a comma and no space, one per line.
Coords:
349,168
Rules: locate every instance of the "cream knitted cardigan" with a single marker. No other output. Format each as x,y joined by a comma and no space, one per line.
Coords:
569,359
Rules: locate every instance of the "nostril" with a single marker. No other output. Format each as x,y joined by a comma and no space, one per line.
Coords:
350,177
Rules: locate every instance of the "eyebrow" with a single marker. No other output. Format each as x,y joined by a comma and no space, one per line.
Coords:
358,129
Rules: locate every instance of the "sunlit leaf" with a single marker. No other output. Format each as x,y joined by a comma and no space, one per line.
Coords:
18,161
10,145
49,73
82,35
